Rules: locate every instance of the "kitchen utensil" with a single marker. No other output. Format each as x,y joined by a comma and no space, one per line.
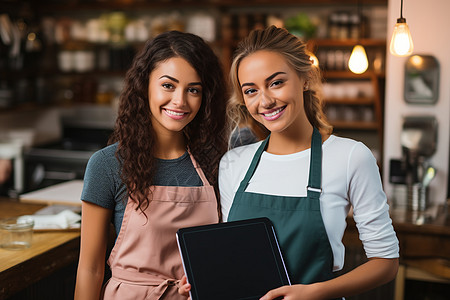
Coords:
430,173
417,197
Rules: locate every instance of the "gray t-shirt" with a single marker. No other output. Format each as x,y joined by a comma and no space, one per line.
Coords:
104,187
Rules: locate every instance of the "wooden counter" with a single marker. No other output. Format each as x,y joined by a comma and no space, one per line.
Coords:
49,253
424,250
424,246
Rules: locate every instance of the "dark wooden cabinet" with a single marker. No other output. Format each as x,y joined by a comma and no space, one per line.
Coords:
424,271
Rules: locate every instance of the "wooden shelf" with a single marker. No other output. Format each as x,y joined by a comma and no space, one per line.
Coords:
376,79
350,101
349,75
225,46
80,6
77,5
355,125
346,42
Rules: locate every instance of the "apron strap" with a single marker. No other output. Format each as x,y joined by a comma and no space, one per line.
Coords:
315,170
253,165
139,278
314,188
198,169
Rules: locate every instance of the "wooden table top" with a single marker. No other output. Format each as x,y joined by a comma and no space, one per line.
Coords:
52,250
48,252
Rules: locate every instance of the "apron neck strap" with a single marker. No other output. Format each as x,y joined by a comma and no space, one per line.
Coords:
315,168
198,169
315,165
253,165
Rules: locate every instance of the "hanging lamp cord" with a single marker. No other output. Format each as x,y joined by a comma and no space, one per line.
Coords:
401,9
360,16
359,10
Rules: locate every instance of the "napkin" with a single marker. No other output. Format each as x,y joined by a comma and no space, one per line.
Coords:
64,220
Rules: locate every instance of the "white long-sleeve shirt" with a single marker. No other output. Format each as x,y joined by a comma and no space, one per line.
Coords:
350,177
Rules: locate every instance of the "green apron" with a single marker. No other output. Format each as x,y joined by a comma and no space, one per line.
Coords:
297,220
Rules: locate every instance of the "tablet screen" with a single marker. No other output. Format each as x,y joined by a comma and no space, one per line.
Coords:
231,261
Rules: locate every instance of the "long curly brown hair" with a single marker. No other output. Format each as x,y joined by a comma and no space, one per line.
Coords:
206,134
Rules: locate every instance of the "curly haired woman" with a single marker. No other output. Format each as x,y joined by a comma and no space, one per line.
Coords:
158,174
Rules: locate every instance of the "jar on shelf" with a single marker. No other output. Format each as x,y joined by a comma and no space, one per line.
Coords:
339,59
226,27
243,26
343,32
104,94
354,28
137,31
367,114
117,22
84,60
202,25
65,60
333,25
76,56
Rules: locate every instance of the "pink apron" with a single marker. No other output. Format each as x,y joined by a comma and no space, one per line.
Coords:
145,261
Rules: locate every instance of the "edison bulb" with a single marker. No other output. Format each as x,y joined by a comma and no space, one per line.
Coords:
358,62
401,42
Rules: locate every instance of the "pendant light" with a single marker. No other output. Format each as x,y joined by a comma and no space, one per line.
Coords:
401,41
358,62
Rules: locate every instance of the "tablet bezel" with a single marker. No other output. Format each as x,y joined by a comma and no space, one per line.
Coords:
271,235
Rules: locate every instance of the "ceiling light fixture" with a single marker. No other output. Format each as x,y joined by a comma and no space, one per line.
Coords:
401,41
358,62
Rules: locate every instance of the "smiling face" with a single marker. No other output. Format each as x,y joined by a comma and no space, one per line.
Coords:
272,91
175,95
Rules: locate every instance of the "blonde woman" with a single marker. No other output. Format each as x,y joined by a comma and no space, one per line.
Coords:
302,177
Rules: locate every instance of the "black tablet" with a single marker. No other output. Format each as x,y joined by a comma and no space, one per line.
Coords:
232,261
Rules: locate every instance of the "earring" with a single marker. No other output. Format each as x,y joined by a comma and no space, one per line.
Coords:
305,86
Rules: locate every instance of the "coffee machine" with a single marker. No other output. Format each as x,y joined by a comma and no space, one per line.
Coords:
418,141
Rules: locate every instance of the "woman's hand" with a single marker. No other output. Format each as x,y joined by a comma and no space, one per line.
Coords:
293,292
184,287
375,272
